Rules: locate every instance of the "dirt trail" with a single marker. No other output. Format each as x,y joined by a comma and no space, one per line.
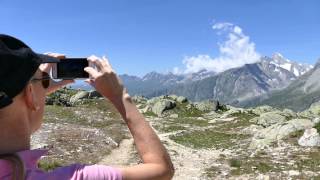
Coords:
121,156
188,162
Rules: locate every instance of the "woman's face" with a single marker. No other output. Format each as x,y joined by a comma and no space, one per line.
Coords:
39,99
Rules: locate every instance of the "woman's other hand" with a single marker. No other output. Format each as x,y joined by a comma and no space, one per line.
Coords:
54,85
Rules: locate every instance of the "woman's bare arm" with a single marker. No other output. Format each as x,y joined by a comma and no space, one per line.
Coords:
156,161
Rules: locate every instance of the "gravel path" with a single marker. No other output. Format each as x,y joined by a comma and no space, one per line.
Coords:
188,162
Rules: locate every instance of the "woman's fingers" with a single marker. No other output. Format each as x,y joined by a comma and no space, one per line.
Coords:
102,65
45,67
92,72
95,60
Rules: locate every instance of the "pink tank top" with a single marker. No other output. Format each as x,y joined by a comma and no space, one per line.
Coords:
72,172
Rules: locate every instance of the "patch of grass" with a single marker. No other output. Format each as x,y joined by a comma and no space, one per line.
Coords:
102,105
317,126
190,121
251,165
208,139
183,111
293,137
97,113
47,165
296,134
61,114
311,162
171,128
242,120
244,115
211,172
244,165
150,113
235,163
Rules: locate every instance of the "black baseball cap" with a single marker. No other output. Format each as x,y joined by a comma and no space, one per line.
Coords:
18,63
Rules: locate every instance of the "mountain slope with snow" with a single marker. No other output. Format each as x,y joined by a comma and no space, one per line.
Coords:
297,69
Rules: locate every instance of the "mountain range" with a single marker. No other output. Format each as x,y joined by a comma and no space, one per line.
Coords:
250,84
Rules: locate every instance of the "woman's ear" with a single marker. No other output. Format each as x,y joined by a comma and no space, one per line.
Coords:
30,98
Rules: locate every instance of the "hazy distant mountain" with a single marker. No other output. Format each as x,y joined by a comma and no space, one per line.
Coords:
233,86
299,95
154,82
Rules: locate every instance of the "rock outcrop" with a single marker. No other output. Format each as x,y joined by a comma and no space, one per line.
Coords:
310,138
278,131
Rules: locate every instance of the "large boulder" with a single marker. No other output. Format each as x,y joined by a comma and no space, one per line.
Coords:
80,95
310,138
278,131
154,100
269,118
182,99
139,99
94,94
315,108
59,99
207,106
173,97
312,112
163,105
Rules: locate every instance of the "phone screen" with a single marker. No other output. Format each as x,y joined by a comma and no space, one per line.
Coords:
72,68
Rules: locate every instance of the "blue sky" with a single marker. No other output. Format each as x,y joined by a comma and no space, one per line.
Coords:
145,35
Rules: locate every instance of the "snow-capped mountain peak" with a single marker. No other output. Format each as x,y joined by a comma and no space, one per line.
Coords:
297,69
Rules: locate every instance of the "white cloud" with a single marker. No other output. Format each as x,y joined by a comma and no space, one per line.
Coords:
222,26
235,51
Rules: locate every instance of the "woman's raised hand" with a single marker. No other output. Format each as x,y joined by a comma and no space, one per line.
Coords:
104,79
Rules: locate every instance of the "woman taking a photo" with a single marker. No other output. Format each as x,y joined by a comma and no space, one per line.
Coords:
24,83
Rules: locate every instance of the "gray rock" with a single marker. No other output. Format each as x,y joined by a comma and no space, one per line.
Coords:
312,112
310,138
289,113
59,99
278,131
139,99
262,109
190,106
80,95
252,129
154,100
182,99
146,109
316,120
208,105
94,94
174,116
315,108
269,118
173,97
163,105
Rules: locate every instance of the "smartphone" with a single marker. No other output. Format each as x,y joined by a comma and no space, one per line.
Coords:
70,68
